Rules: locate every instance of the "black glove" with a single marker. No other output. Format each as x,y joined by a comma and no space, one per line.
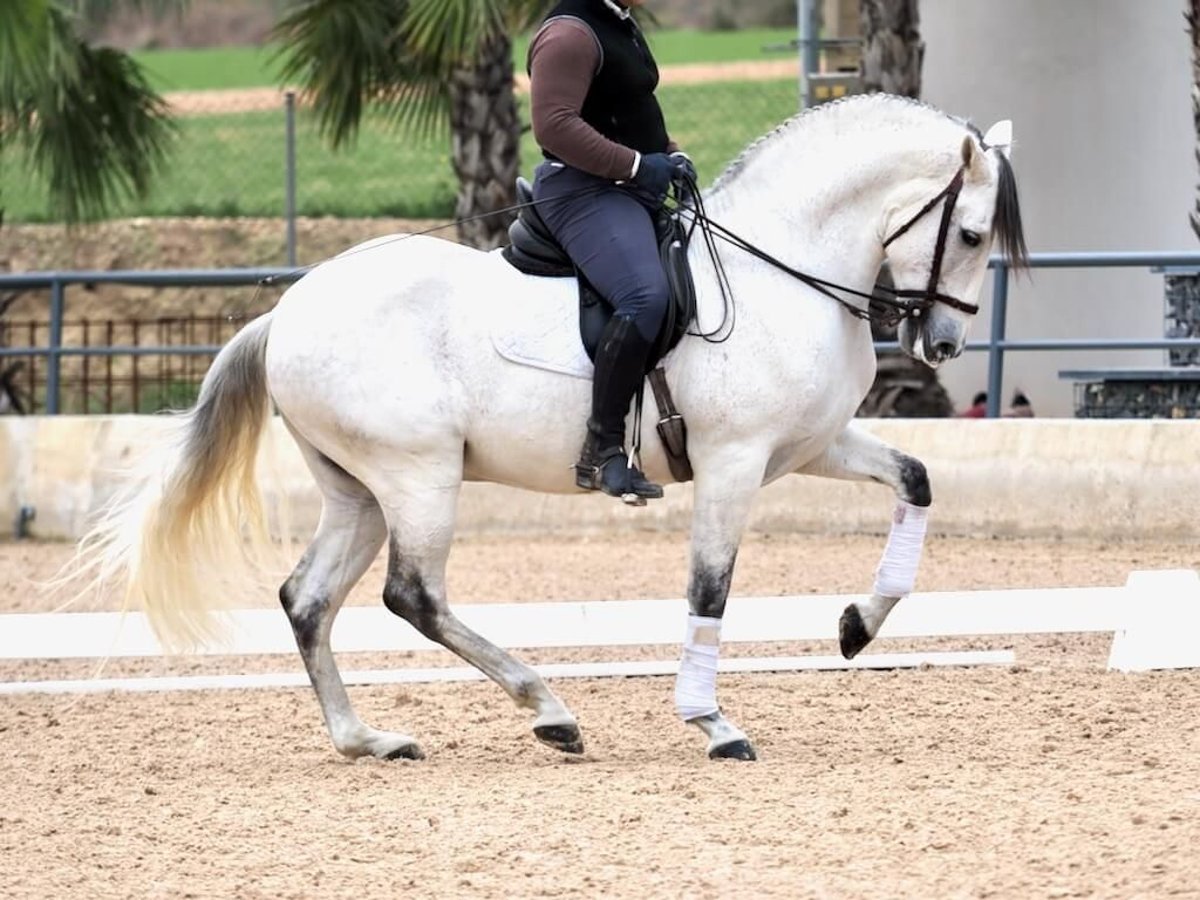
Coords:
685,176
654,174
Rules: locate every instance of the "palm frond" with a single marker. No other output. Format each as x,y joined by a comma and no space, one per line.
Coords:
24,36
398,55
94,128
344,56
452,32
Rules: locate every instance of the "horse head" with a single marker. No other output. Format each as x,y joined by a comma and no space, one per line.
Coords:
938,254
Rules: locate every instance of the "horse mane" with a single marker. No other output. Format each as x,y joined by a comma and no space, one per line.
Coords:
1010,233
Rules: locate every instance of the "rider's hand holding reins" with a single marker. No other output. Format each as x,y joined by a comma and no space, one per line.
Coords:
685,177
654,174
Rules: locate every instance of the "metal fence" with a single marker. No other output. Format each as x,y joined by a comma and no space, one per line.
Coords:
180,347
52,355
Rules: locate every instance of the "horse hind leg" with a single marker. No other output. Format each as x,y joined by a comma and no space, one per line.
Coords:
858,456
347,540
420,517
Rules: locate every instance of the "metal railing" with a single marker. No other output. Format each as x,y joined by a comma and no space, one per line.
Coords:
57,283
996,345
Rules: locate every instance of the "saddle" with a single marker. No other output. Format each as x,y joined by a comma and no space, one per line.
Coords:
533,250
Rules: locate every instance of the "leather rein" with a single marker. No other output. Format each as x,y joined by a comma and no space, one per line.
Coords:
892,304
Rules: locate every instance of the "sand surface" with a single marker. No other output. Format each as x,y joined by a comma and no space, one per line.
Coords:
1050,778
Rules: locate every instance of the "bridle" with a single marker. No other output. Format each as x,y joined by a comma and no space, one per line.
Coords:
886,304
931,295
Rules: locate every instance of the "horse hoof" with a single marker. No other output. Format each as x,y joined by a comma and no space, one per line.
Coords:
741,749
561,737
406,751
852,632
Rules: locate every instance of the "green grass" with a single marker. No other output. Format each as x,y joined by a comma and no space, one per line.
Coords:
205,70
676,47
242,67
233,165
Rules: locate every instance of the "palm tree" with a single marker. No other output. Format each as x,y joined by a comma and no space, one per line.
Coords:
426,62
891,62
85,115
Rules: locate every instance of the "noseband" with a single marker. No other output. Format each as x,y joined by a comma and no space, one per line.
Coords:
926,298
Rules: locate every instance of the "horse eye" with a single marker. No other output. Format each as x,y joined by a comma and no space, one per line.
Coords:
971,238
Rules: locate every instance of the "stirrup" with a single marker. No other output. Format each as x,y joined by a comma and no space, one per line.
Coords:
635,489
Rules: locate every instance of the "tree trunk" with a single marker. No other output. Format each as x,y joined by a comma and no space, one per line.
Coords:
891,62
1192,14
892,47
485,134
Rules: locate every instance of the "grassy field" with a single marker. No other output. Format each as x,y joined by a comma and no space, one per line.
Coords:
240,67
233,165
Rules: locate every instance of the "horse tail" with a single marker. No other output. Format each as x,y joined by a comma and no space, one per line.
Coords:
192,525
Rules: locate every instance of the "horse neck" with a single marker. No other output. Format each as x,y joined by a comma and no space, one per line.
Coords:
815,195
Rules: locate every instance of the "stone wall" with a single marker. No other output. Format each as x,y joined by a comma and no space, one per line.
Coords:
1004,478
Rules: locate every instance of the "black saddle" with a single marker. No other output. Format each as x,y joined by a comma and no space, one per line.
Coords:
534,251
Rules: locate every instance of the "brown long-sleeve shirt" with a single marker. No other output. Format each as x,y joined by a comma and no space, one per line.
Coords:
563,59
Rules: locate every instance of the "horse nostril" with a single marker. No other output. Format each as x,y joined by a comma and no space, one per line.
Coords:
944,350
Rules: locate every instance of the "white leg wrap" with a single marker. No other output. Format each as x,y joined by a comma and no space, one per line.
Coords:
696,685
897,570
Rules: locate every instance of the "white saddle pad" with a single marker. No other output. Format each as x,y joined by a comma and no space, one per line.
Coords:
541,327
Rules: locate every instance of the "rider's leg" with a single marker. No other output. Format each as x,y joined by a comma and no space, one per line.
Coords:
609,235
603,463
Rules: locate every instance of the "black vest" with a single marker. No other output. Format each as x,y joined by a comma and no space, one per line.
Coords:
620,103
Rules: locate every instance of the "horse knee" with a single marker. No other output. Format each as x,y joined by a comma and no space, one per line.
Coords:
914,481
406,596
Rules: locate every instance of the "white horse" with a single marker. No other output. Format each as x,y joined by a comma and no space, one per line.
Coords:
383,364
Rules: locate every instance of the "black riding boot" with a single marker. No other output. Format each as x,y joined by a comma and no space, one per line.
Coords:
620,370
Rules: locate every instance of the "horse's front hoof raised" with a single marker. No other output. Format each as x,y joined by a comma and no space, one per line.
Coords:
741,750
561,737
852,632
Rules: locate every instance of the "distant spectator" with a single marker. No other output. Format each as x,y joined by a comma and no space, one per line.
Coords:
1021,407
977,409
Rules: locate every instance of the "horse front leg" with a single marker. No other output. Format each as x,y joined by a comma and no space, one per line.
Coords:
858,456
724,490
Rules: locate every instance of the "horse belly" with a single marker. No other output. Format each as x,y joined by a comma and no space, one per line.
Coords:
526,428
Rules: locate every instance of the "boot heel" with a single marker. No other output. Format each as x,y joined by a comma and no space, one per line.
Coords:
587,477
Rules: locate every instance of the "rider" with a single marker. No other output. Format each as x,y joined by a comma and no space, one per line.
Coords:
608,166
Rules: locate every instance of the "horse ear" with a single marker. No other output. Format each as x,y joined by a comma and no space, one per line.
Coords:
971,155
1000,136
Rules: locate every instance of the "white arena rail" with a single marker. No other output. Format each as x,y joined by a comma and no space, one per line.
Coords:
1153,619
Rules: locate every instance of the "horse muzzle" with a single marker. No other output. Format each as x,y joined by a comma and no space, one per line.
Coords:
932,339
939,345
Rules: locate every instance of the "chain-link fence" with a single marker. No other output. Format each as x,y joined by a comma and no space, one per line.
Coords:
231,156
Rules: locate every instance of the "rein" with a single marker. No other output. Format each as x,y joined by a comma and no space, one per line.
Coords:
892,305
896,303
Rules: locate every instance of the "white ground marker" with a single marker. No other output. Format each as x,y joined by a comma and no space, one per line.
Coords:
1153,618
561,670
1162,625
